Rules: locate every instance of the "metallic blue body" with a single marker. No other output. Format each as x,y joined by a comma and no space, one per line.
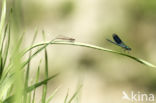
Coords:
119,42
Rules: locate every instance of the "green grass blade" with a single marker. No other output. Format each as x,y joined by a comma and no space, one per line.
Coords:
4,36
37,77
34,86
9,100
108,50
39,50
4,52
28,67
65,100
10,91
94,47
9,70
29,98
46,63
5,55
1,65
7,47
46,72
52,95
2,23
3,17
75,94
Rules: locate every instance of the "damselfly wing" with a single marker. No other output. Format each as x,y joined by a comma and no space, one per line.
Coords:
119,42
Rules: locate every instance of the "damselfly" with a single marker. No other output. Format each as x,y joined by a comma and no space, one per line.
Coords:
62,37
119,42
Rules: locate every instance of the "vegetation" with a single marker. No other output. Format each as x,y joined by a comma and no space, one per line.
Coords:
15,84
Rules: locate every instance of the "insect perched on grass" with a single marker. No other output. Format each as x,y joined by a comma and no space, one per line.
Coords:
62,37
119,42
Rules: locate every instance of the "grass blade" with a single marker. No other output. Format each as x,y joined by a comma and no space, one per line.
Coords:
34,86
28,67
3,17
9,99
1,65
7,48
46,72
4,36
37,77
39,50
2,23
65,100
29,97
75,94
52,95
95,47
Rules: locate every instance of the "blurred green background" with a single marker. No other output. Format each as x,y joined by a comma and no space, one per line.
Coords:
104,75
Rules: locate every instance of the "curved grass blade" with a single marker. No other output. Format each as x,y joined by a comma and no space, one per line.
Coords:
94,47
39,50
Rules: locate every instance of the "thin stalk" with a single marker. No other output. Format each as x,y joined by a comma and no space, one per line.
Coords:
94,47
46,72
